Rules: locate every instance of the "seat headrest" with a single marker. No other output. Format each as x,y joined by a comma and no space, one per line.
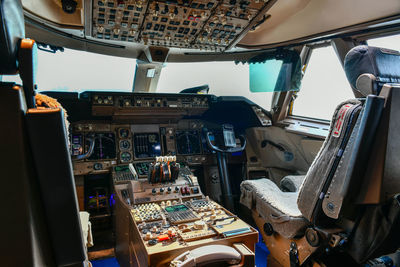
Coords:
12,30
376,65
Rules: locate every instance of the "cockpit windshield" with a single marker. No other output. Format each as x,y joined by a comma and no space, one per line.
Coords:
78,71
223,79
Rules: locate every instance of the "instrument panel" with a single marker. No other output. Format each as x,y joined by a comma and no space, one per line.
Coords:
199,24
137,144
104,147
147,145
168,219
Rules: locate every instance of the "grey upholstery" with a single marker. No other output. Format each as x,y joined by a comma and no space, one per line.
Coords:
342,124
12,29
289,213
291,183
350,172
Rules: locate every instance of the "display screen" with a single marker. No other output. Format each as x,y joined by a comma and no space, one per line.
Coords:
104,146
142,168
121,168
188,142
176,208
147,145
229,136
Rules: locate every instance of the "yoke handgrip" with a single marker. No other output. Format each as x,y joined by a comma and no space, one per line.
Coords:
228,150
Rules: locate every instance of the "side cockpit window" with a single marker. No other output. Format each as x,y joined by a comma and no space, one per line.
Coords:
323,87
390,42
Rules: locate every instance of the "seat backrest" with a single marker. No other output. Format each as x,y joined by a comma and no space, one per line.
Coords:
321,171
41,225
22,228
340,165
51,157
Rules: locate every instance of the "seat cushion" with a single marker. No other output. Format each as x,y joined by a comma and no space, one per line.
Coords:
275,206
291,183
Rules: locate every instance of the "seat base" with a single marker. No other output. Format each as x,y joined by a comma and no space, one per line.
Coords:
279,246
276,207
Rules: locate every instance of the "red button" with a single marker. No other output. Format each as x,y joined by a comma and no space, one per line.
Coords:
163,238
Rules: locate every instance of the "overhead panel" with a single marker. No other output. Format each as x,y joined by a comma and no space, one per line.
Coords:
191,24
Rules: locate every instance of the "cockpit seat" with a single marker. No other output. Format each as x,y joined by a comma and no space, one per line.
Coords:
276,207
42,225
280,209
334,188
291,183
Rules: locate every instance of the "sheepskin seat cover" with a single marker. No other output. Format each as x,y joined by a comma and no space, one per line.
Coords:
276,207
292,183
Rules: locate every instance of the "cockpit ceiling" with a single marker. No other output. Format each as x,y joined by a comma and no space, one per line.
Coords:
297,19
194,25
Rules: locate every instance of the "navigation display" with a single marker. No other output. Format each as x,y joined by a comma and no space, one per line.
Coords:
104,146
147,145
188,142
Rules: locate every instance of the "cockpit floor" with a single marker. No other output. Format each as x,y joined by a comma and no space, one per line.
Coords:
110,262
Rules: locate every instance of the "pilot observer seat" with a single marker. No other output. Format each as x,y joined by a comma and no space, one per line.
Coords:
41,224
333,207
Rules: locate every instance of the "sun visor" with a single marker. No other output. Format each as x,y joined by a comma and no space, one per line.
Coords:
275,72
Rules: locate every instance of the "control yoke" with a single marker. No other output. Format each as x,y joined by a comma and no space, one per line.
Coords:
227,149
229,146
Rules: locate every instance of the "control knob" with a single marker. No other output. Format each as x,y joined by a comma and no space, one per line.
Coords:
199,225
148,236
